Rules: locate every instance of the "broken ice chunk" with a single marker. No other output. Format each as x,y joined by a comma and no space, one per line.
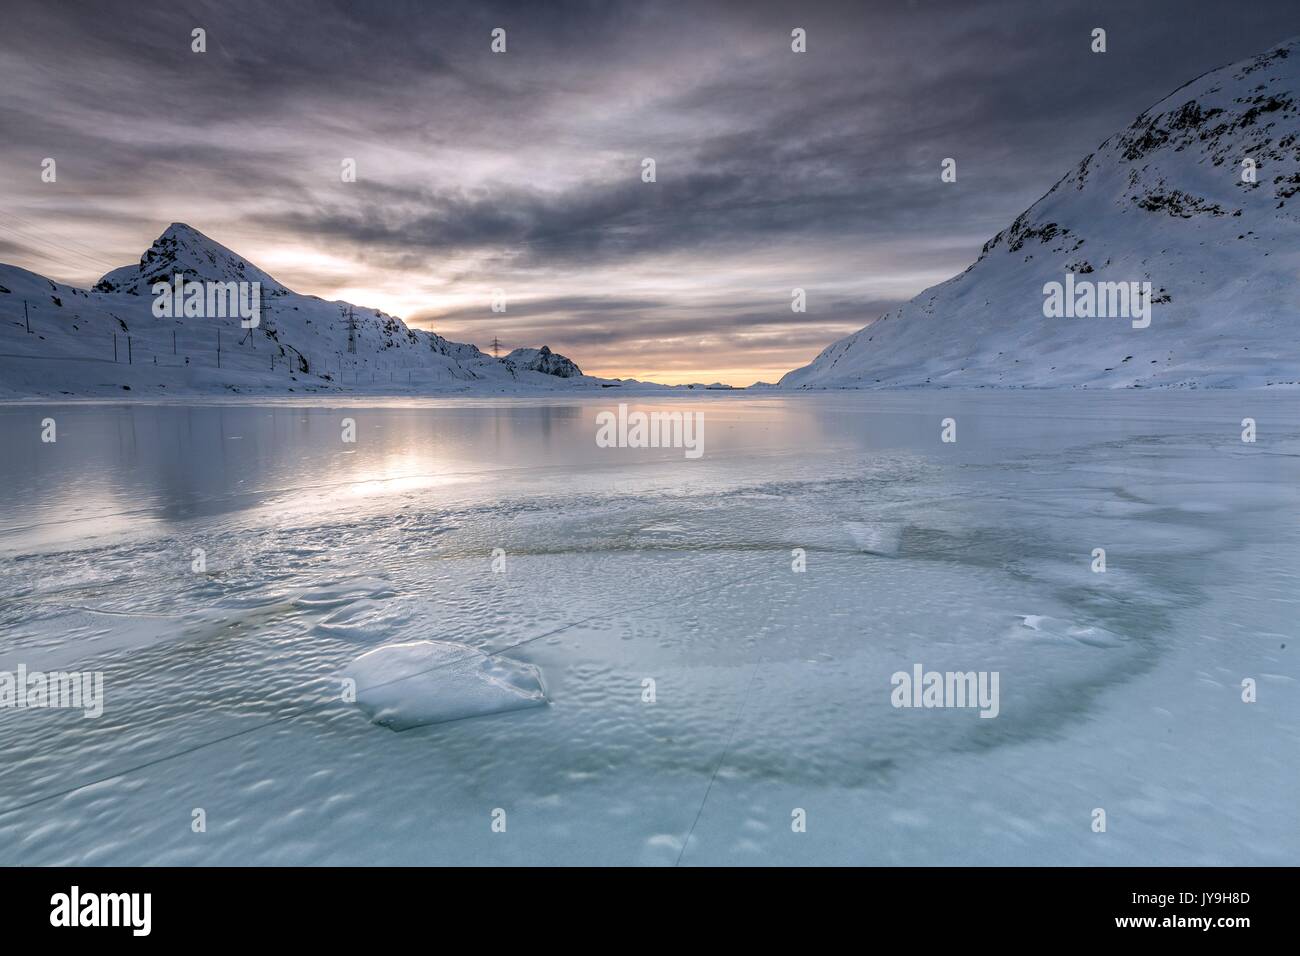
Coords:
877,537
1057,630
400,686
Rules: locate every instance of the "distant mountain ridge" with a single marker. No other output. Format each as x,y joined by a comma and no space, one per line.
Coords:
1164,201
106,340
545,361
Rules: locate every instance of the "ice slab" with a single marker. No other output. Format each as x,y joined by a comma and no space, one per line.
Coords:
400,686
1054,629
876,538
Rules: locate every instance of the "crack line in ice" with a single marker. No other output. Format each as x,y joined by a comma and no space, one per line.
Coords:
735,725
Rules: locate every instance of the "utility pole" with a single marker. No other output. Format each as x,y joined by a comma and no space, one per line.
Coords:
496,347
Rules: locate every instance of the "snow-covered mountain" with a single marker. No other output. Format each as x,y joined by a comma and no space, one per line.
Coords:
1169,201
108,341
183,249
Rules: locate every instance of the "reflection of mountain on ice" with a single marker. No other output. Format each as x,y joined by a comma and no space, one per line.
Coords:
1163,202
302,343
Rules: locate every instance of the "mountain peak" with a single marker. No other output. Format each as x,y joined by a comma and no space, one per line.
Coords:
183,230
183,249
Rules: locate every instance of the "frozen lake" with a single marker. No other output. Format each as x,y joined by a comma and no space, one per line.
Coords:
632,570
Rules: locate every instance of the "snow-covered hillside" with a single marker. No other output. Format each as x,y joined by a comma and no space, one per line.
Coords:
1164,201
107,340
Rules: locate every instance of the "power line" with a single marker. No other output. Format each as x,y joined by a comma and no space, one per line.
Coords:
70,242
56,245
56,256
29,224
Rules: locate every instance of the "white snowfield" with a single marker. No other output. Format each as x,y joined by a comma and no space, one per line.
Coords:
1164,201
108,342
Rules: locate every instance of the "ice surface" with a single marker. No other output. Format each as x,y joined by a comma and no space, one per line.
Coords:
623,568
401,686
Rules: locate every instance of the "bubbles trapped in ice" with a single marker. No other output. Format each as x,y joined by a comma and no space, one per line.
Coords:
400,686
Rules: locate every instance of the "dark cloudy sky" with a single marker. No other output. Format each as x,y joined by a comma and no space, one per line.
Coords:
522,171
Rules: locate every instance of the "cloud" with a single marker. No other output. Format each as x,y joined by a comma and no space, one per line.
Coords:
522,171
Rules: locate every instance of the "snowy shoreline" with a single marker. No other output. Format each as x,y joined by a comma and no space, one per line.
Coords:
644,392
